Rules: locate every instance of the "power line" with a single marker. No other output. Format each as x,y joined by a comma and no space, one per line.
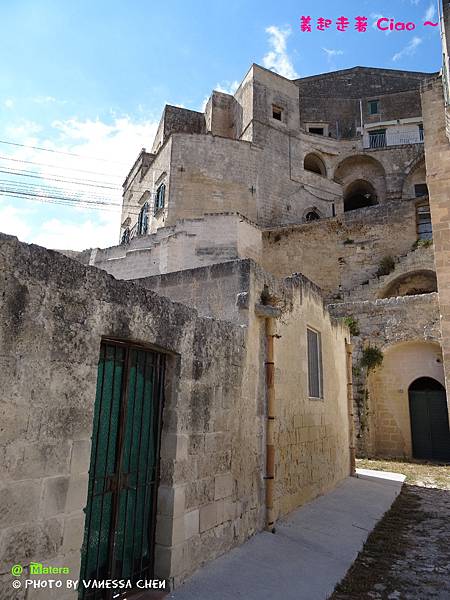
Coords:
60,152
63,200
34,174
31,162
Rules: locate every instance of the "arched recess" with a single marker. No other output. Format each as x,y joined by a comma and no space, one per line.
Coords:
315,164
358,194
388,388
411,284
311,214
415,183
362,168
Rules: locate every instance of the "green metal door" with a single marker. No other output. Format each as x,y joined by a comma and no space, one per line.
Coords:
429,424
123,476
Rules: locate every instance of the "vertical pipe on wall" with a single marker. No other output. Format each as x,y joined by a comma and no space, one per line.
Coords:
351,423
270,441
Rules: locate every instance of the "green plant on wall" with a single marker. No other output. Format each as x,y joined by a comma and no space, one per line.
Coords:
372,357
386,266
352,324
422,244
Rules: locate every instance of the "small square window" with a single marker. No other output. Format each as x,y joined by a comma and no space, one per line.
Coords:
420,189
373,107
316,130
277,113
315,374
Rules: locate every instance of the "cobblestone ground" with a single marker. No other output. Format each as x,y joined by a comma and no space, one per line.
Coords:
407,556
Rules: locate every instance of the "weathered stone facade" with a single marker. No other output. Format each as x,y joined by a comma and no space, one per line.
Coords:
239,213
55,312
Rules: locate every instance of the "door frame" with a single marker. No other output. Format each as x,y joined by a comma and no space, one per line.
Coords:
159,387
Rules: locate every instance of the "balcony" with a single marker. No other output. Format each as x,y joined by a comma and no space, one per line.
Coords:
385,139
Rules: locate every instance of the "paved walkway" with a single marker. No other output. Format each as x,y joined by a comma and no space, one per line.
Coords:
310,552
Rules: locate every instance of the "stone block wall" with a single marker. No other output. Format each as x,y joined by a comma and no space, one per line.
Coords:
188,244
437,155
406,329
211,492
341,253
311,435
53,317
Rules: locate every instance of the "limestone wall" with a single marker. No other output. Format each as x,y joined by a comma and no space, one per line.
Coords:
344,251
188,244
406,329
53,316
311,441
437,155
312,436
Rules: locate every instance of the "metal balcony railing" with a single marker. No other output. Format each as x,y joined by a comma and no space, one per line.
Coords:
384,140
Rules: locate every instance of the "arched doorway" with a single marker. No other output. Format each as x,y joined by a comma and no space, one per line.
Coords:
359,193
429,419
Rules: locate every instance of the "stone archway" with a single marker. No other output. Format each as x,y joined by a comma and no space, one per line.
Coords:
363,180
358,194
388,388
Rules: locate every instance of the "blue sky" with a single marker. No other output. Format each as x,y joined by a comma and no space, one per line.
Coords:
91,78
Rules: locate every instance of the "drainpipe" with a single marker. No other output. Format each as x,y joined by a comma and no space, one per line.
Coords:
270,314
270,424
351,423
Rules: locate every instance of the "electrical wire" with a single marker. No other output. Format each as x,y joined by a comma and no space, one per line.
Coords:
61,152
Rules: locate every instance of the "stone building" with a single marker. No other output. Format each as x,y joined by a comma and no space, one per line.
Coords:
324,176
279,282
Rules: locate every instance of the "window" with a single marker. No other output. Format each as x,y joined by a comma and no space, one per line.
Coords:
420,189
277,113
421,132
377,138
373,107
316,130
423,219
160,198
315,382
142,224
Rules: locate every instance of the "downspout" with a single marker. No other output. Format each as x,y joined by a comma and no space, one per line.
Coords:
270,314
270,424
351,422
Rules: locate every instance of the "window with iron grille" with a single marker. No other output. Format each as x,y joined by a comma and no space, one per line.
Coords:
377,138
160,197
142,224
423,216
373,107
315,374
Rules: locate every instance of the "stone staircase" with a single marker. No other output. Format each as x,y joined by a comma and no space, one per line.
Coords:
419,259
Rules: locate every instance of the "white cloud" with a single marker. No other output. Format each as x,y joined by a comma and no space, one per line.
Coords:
332,52
97,231
9,103
376,17
116,143
15,221
408,50
430,13
226,87
277,59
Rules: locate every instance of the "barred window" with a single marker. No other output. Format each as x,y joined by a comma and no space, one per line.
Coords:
423,216
160,197
315,380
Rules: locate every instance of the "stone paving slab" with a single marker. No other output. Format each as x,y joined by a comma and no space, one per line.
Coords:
308,555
